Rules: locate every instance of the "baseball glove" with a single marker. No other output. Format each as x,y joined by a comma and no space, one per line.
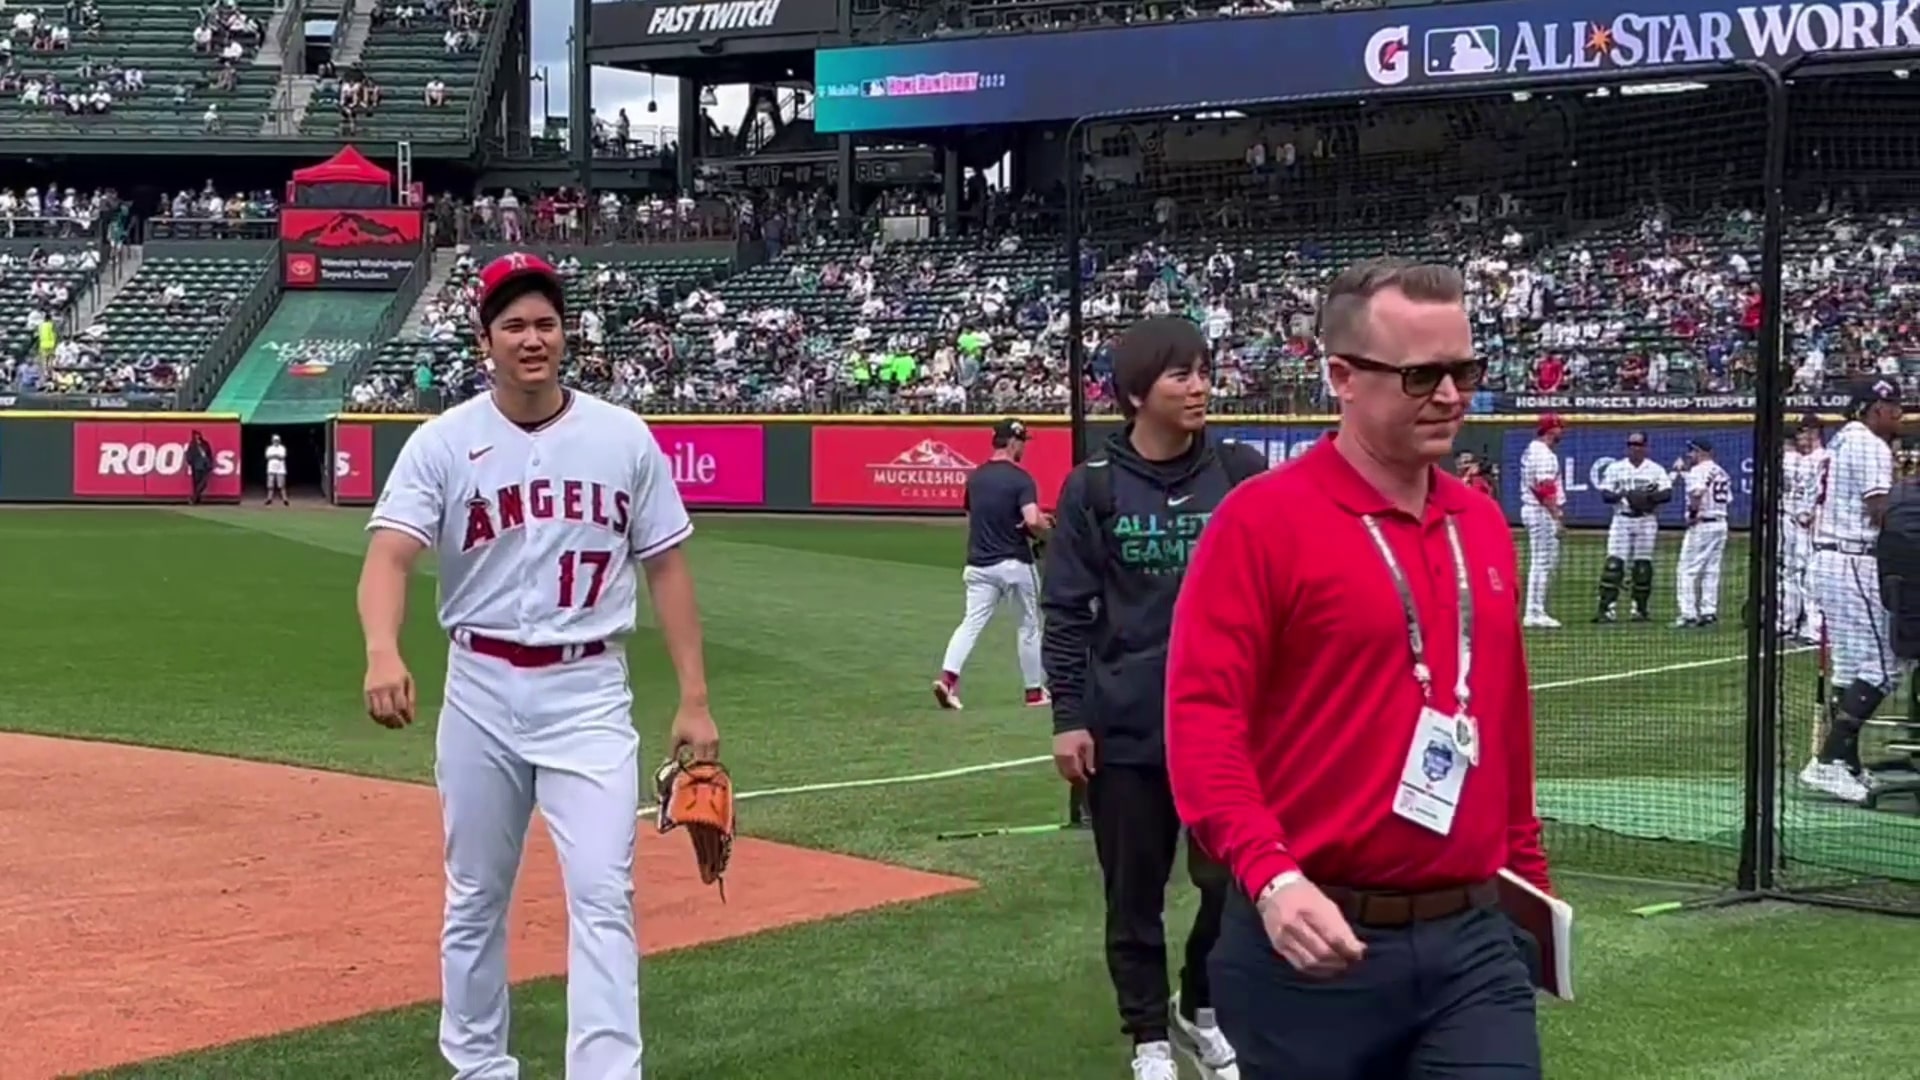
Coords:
1639,502
699,796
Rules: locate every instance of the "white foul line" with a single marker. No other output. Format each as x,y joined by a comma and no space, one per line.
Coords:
1015,763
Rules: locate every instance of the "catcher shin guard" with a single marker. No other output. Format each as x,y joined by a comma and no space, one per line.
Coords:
1855,706
1642,584
1611,575
698,795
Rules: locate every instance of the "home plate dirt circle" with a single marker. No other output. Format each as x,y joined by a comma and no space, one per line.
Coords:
156,902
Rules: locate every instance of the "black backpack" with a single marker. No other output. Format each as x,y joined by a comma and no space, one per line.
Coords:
1897,553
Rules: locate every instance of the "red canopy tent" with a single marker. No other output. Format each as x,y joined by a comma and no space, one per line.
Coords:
347,179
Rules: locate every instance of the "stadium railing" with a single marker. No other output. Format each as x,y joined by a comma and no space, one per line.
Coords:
492,47
404,297
231,344
1665,752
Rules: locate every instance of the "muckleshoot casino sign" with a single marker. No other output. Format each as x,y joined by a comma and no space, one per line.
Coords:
1063,76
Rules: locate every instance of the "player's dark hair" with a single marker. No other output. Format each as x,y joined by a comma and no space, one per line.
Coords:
1149,349
513,289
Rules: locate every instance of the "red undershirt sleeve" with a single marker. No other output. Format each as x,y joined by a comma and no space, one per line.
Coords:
1224,625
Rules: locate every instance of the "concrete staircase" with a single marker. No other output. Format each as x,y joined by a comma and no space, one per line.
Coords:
90,303
359,16
270,54
437,275
288,113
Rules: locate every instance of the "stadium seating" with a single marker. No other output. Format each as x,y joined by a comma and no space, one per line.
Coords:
156,38
17,278
143,328
385,384
401,60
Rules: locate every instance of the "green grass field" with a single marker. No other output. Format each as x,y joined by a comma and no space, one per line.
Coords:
232,632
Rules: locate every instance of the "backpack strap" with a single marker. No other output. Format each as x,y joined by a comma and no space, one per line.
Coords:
1242,462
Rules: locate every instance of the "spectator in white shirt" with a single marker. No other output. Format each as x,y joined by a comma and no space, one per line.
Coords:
436,93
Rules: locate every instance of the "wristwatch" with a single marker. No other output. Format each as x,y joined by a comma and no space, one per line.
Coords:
1279,882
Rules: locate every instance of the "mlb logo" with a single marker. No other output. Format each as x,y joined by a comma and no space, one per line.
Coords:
1462,50
873,88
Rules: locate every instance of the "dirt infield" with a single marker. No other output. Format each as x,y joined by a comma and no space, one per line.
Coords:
157,902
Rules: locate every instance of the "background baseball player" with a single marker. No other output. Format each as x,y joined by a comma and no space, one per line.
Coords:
1849,505
1709,495
1800,469
276,470
1635,488
1003,519
1542,502
536,501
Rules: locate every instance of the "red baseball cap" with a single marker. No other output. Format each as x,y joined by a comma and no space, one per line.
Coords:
1550,422
517,266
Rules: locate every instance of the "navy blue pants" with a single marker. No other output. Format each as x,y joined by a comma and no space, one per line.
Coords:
1448,999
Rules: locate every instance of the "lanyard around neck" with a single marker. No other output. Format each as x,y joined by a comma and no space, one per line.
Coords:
1416,638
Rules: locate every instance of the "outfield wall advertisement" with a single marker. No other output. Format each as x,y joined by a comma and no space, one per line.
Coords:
861,465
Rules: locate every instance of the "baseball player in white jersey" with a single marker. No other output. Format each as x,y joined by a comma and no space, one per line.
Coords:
276,470
1543,500
1635,487
1003,520
1709,496
1849,506
1801,466
537,502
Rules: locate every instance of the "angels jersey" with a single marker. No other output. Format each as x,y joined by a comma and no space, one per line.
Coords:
1537,464
536,532
1859,466
1623,476
1709,491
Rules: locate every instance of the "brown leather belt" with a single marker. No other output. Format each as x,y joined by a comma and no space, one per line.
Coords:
1370,907
530,656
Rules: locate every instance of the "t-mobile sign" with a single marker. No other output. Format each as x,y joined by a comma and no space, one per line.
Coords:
716,464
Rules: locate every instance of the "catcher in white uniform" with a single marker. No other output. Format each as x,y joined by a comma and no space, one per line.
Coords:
1709,496
1849,507
537,502
1801,466
1636,488
1542,508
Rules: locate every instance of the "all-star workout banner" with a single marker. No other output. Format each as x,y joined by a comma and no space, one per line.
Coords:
999,79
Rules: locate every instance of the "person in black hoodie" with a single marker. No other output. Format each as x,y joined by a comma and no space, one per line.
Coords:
1128,518
199,465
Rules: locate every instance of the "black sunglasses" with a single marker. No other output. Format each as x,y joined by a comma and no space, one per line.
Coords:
1421,380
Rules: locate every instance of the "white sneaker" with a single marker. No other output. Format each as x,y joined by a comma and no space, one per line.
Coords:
1203,1044
1540,622
1154,1061
1833,778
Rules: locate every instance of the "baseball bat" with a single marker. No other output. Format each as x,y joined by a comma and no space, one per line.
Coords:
1823,699
1010,830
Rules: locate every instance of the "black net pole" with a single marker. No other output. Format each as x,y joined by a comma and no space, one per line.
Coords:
1076,351
1756,870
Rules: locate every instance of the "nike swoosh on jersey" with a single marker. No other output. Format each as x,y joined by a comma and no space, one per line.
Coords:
476,455
1178,501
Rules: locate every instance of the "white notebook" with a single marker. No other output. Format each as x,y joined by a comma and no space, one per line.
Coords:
1550,921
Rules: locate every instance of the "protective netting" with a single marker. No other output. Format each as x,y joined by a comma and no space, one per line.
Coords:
1612,245
1851,307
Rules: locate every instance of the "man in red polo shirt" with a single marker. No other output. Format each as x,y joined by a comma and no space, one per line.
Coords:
1349,727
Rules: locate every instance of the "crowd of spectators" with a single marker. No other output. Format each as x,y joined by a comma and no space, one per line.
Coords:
1658,303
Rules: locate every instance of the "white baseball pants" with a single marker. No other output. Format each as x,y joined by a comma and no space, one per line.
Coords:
1860,647
1699,575
1632,538
560,738
1796,585
1543,555
987,586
